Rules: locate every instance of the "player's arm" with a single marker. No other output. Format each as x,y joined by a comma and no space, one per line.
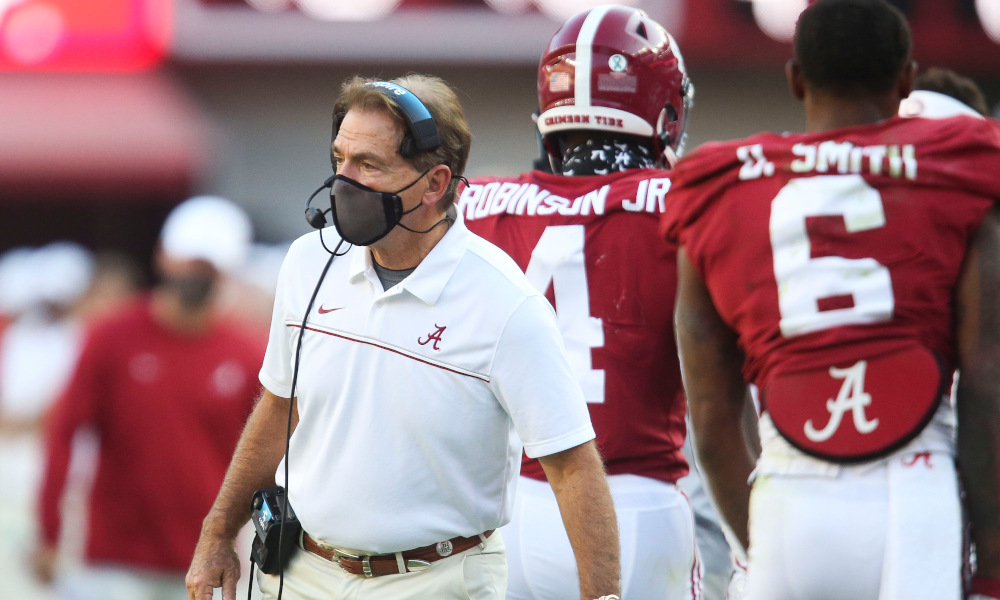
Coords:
711,365
260,449
581,488
978,400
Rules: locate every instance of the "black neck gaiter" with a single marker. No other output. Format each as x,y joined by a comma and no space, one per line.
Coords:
606,156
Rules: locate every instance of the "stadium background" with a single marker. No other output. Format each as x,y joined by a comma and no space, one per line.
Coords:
114,110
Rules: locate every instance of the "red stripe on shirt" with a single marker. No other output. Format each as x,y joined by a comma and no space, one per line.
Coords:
371,343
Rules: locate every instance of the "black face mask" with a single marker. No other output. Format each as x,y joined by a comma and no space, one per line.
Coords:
362,215
194,291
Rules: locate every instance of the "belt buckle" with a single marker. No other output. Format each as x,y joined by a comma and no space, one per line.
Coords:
338,554
417,565
366,565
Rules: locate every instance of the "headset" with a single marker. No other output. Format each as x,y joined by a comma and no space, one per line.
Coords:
421,136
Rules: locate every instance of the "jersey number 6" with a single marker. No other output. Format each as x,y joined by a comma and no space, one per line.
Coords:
803,280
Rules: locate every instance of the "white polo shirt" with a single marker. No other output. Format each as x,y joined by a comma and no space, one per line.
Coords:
413,402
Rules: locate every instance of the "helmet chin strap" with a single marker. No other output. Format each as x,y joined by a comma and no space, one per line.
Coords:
669,156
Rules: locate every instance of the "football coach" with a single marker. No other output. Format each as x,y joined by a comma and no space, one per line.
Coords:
411,369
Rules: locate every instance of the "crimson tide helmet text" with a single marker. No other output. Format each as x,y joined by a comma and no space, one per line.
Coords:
614,69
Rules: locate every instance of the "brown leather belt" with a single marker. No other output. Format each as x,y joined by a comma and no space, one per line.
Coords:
417,559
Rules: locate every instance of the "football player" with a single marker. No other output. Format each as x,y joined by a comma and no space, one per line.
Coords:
847,271
940,93
614,98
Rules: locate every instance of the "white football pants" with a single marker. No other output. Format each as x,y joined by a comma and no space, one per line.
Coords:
885,531
658,556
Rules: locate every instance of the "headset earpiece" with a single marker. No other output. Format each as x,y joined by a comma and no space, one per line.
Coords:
407,148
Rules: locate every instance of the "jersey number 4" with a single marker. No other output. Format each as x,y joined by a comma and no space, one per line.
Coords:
804,280
558,259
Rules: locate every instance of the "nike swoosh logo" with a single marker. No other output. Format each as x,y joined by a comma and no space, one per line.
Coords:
323,311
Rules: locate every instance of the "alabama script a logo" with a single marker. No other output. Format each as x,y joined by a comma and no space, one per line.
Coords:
434,336
852,398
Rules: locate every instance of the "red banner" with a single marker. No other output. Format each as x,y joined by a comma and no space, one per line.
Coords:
83,35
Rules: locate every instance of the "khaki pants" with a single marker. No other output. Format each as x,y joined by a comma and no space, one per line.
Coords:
471,575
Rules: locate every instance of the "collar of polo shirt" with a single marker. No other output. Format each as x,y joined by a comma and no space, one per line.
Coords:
428,280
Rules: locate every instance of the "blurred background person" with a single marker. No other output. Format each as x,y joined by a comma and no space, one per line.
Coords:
248,296
939,93
40,294
117,278
166,387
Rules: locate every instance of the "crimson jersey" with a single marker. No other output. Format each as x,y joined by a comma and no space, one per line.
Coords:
822,248
168,409
591,244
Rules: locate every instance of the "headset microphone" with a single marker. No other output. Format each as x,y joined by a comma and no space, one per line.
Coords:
314,216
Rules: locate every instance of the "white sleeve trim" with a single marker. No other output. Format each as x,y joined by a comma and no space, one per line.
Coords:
564,442
272,385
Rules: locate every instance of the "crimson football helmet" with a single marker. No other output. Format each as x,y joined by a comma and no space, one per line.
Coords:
614,69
